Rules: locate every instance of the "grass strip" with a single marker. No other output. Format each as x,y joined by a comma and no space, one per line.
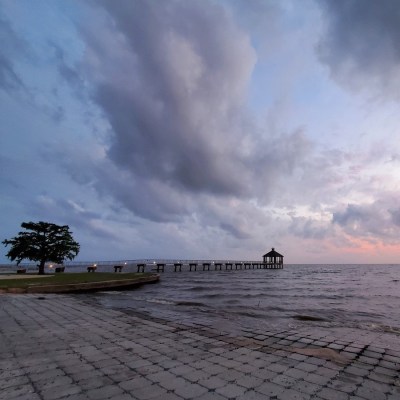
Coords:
69,278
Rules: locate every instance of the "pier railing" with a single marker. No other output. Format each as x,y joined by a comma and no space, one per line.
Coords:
147,265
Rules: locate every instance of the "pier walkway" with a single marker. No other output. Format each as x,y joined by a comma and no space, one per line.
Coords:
152,265
206,265
61,347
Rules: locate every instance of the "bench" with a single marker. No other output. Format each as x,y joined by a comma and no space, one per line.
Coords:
59,269
91,269
118,268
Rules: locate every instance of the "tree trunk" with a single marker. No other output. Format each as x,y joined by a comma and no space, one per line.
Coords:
41,267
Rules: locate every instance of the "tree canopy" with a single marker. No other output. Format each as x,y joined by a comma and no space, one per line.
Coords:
42,242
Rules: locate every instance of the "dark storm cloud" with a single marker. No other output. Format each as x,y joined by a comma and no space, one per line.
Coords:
67,72
234,230
11,45
175,117
395,213
378,219
361,44
71,213
309,228
147,198
171,79
351,215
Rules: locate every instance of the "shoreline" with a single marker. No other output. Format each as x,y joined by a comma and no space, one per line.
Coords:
78,287
57,346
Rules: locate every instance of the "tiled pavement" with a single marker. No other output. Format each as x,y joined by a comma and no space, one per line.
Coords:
62,347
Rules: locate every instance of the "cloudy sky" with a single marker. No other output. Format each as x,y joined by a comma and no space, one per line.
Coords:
204,128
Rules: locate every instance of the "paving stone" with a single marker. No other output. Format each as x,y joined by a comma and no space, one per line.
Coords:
370,394
357,371
336,346
196,376
270,389
214,369
343,386
305,366
260,362
290,394
382,378
244,359
306,387
332,394
372,354
204,364
249,382
298,357
230,364
317,379
306,340
368,360
247,369
161,376
212,382
15,392
54,393
391,358
106,362
377,386
230,375
30,396
149,392
385,371
163,396
124,396
296,373
264,374
81,376
209,396
135,383
104,392
174,384
351,349
190,391
53,383
79,396
231,390
251,395
181,370
284,380
94,383
388,364
14,381
46,375
78,369
102,353
139,363
277,367
328,372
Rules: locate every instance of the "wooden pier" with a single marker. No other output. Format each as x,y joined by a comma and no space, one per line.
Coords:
200,265
271,260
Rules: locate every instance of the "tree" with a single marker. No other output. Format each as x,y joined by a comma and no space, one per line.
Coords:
42,242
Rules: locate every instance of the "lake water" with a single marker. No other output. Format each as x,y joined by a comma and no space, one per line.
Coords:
354,296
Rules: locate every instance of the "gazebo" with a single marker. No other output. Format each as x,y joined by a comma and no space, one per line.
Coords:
273,259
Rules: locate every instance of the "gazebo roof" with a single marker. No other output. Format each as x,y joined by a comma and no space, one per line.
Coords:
273,253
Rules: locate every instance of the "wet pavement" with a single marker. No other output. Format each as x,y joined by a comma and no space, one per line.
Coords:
63,347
